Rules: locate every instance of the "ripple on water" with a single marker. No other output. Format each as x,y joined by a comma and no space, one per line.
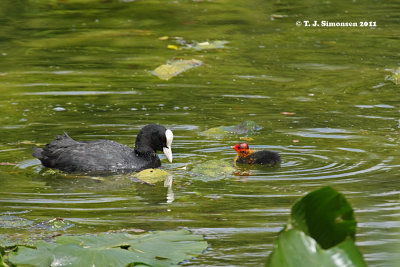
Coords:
331,133
81,93
311,163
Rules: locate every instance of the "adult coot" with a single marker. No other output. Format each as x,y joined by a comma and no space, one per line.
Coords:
246,156
105,156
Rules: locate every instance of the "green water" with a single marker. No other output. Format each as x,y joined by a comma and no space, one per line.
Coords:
83,66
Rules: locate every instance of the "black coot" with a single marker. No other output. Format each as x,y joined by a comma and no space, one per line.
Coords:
105,156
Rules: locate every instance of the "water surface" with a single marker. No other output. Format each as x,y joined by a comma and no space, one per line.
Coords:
85,67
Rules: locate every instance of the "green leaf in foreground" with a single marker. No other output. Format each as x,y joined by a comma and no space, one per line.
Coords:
118,249
2,253
320,232
326,216
298,249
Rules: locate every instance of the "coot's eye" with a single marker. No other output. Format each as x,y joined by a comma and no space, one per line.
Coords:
163,139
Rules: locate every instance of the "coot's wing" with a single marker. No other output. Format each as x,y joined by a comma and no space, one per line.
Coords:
69,155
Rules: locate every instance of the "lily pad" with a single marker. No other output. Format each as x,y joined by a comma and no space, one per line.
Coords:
152,176
175,67
166,248
245,127
212,170
320,232
216,132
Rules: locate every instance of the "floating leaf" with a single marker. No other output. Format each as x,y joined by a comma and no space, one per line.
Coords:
216,132
40,256
212,170
175,67
217,44
11,221
246,127
288,113
320,232
246,138
152,176
119,249
49,254
174,47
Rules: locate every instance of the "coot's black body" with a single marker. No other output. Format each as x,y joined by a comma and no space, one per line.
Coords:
261,157
105,156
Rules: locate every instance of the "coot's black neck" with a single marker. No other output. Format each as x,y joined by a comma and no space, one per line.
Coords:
145,150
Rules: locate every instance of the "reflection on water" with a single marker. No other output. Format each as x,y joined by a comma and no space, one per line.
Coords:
320,96
170,192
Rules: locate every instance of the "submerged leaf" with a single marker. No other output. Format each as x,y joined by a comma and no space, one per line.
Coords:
11,221
217,44
395,77
246,127
175,67
55,224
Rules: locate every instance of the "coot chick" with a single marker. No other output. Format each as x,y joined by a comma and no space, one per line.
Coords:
246,156
106,156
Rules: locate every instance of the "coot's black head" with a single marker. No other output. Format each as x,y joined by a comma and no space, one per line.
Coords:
154,137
